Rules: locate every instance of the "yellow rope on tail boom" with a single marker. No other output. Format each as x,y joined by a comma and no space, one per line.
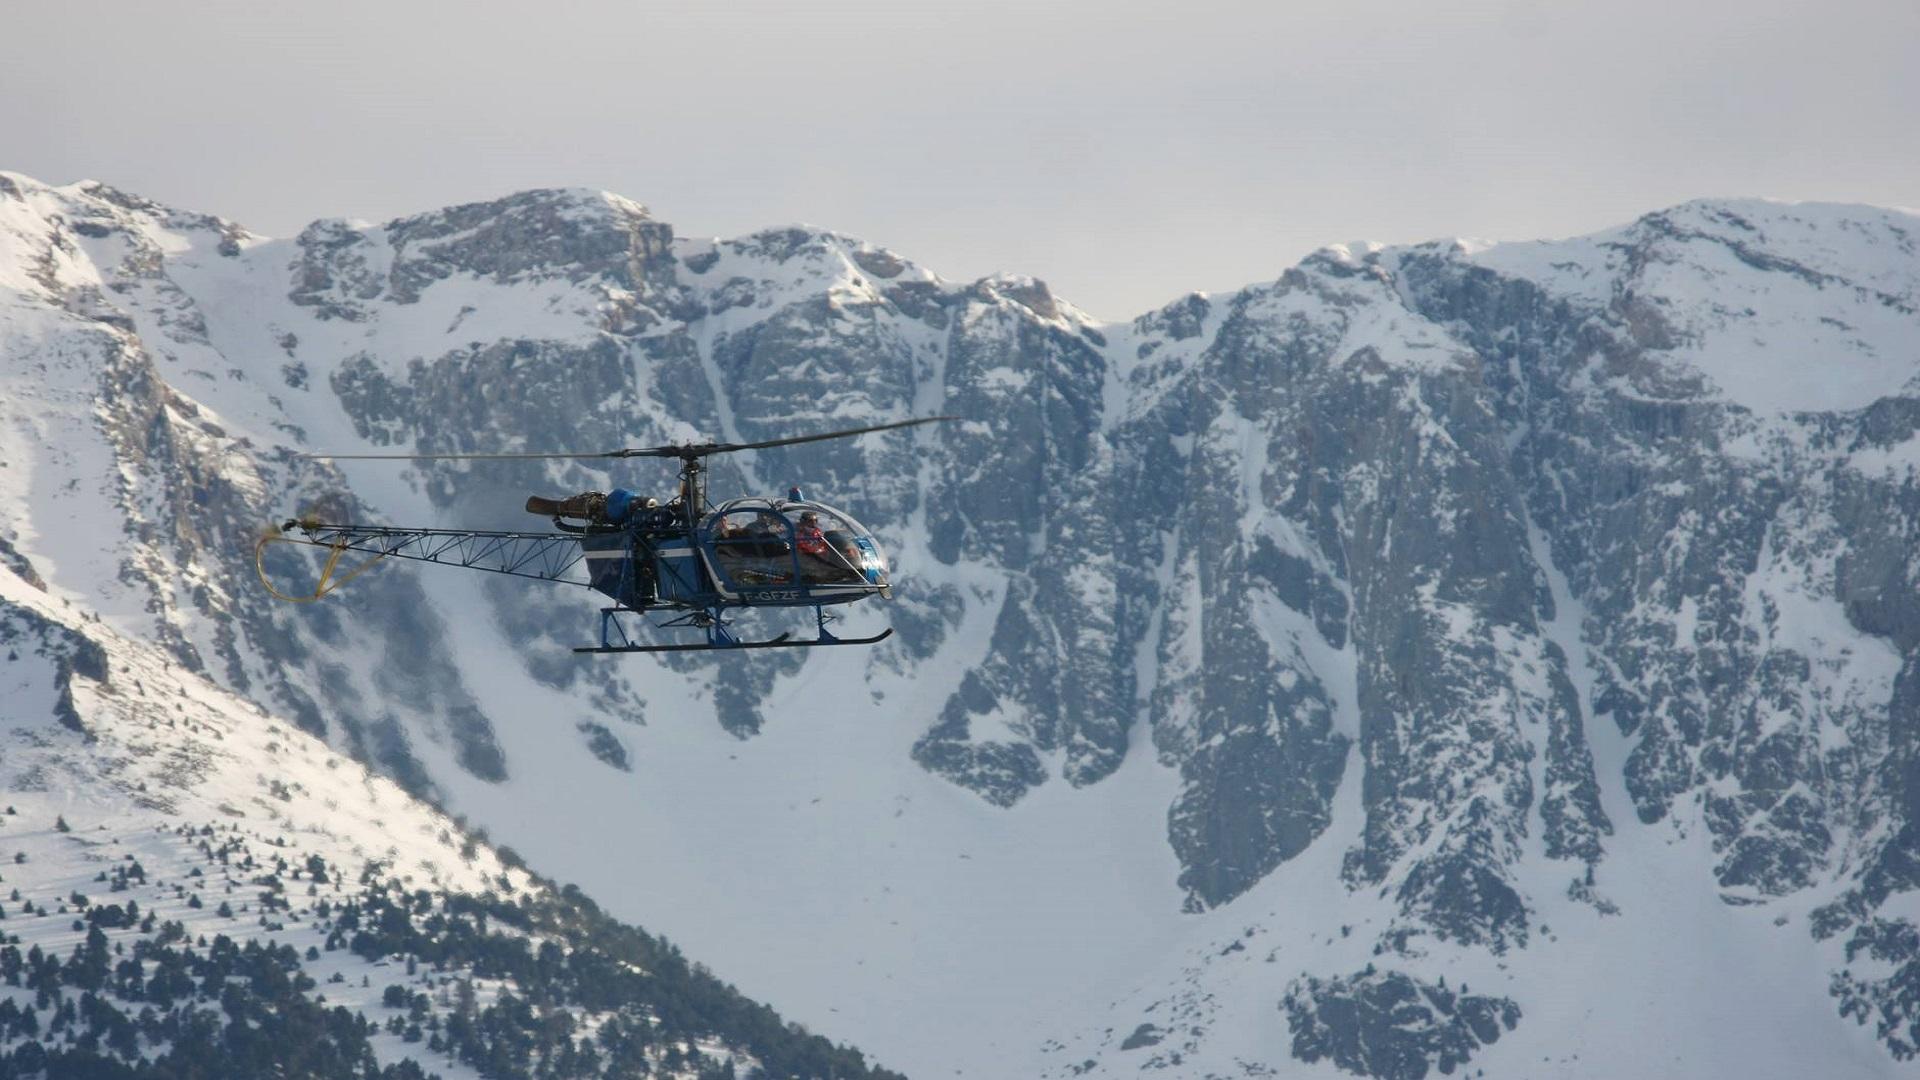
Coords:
325,585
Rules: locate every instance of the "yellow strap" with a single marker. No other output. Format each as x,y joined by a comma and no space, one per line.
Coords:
325,585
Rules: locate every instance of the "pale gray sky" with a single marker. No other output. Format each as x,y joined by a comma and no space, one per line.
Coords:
1126,152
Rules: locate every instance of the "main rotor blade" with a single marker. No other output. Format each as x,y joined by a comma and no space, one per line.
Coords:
462,457
688,450
725,448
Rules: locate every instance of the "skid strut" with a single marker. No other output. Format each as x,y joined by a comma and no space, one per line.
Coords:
614,637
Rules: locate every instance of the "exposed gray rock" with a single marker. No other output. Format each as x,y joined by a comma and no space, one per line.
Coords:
605,745
1390,1025
25,633
1890,1001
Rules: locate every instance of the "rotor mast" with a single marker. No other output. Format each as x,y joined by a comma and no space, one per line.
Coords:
693,489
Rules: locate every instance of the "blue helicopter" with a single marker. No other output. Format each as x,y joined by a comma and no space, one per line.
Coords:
689,559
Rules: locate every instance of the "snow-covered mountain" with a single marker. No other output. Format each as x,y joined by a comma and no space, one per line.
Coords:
1451,654
197,888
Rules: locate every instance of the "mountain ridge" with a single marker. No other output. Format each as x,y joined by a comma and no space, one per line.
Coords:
1451,572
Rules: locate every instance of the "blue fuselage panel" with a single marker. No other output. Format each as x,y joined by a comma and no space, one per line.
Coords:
610,564
678,573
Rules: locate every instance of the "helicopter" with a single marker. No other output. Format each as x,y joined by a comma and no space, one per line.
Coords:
689,559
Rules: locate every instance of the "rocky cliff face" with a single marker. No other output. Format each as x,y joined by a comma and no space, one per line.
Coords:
1515,548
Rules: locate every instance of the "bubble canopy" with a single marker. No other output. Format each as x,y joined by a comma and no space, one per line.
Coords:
806,552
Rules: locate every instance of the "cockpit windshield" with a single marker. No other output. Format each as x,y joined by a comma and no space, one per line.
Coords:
759,543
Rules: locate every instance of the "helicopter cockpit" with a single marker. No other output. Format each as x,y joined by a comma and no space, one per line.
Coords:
758,544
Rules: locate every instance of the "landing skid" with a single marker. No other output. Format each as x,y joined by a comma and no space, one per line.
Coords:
777,643
614,639
780,642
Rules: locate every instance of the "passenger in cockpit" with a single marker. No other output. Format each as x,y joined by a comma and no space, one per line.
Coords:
808,537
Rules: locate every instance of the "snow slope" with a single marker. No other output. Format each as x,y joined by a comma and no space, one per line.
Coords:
133,785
